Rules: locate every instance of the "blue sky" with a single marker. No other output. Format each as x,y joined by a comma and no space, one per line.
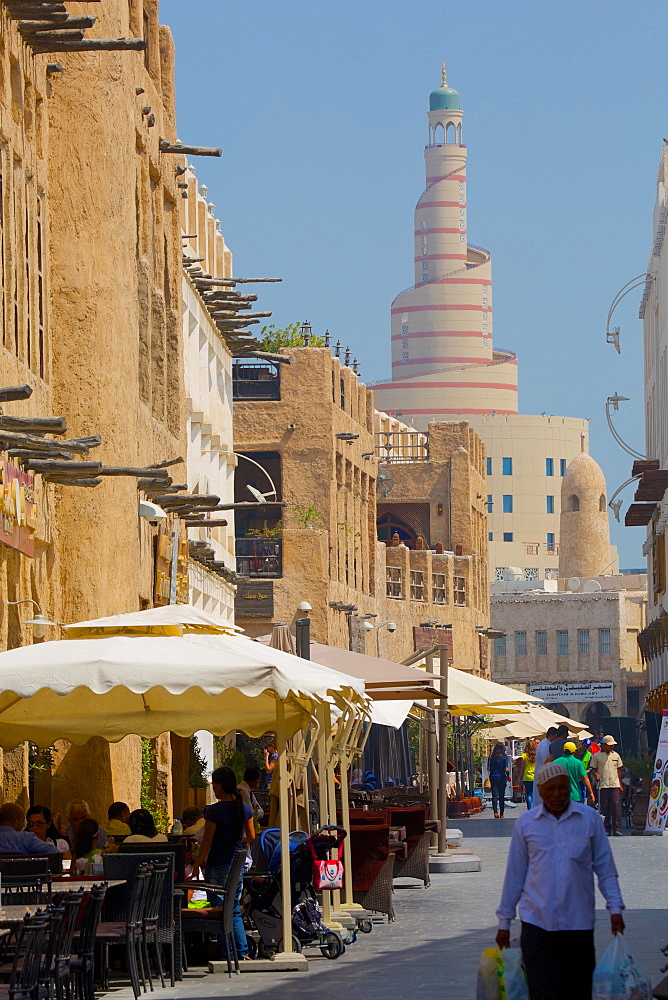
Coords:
320,109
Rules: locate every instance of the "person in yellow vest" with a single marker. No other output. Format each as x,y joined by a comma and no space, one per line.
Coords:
528,766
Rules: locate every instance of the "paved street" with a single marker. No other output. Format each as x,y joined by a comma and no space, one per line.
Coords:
433,947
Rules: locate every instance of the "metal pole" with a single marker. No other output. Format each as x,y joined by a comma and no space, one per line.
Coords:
324,736
444,666
432,765
284,814
303,638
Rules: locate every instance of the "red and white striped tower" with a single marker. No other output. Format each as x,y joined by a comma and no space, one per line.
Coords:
443,360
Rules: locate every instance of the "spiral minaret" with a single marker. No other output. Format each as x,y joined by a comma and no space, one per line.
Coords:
443,359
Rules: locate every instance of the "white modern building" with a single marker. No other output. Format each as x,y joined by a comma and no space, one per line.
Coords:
210,458
652,488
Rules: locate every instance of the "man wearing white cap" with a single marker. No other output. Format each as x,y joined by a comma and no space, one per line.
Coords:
608,766
555,850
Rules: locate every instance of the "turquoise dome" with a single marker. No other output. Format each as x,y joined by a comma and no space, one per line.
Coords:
444,99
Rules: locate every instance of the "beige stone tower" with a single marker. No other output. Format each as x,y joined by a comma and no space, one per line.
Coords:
584,544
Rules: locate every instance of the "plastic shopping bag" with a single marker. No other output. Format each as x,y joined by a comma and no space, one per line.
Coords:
618,976
512,978
501,975
488,987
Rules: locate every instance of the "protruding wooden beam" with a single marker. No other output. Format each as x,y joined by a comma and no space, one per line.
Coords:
67,481
92,45
63,468
31,441
36,27
47,38
34,425
8,393
28,455
205,524
166,464
178,147
126,470
268,356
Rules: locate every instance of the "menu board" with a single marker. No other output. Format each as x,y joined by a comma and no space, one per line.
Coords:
657,811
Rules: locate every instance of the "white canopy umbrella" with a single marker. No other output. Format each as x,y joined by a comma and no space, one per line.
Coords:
190,618
112,686
145,684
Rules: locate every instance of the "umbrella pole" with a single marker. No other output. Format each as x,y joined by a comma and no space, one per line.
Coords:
444,667
432,766
284,814
324,737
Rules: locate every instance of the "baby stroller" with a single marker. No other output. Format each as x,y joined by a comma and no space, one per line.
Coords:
262,907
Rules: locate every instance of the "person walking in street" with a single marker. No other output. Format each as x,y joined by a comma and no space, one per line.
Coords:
577,774
608,766
557,744
499,775
542,753
554,853
528,759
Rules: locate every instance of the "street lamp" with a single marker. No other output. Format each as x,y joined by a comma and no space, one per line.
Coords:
612,336
306,333
613,503
614,401
38,621
390,626
260,497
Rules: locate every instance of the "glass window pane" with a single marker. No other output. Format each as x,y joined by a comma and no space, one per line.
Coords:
562,642
549,466
541,643
507,466
507,536
583,640
507,504
604,640
500,645
489,466
550,505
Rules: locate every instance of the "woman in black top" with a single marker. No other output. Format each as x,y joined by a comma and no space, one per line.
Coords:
499,774
228,823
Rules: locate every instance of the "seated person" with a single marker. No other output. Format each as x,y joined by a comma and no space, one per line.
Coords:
142,827
85,849
78,810
117,824
14,839
192,819
38,821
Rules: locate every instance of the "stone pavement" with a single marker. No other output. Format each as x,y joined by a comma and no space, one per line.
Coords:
433,948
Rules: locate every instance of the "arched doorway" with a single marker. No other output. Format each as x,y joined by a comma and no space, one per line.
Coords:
388,523
595,716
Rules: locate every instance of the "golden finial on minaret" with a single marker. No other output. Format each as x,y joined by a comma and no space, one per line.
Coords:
444,82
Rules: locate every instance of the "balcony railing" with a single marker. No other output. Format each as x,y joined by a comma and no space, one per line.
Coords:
552,548
259,380
259,557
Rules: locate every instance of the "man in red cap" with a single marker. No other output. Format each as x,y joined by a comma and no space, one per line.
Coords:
608,766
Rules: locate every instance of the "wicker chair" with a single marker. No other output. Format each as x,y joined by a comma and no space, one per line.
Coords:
372,868
416,865
25,971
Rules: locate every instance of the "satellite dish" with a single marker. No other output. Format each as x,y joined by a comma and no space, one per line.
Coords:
260,497
513,573
574,583
591,587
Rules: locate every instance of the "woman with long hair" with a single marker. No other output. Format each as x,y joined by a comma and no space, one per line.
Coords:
85,847
228,824
528,759
499,775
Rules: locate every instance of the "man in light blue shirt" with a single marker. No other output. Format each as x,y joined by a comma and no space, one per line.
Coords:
555,850
14,839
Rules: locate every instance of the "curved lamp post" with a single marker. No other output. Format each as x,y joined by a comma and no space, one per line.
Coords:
612,336
614,401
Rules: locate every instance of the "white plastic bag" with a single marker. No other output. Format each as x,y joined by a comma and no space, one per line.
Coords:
488,986
501,975
512,977
617,975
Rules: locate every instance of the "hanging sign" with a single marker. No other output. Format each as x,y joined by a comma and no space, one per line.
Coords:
17,509
587,691
657,811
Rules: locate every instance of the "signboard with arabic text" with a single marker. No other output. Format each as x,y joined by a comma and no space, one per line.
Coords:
586,691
